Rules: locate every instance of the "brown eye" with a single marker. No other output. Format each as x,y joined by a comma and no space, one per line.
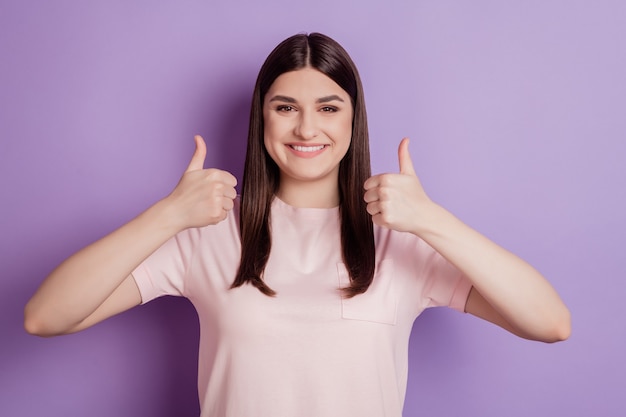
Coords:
285,108
329,109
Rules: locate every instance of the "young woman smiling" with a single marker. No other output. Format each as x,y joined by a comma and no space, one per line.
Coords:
307,285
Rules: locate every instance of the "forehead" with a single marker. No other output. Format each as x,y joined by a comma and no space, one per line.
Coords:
305,83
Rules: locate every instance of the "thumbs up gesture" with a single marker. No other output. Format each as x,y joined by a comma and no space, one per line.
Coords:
397,201
202,196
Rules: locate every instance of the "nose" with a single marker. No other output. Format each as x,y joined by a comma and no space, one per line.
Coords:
306,127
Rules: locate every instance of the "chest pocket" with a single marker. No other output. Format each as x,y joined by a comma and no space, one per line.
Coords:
379,303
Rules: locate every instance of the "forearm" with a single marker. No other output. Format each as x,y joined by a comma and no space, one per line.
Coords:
516,290
69,299
512,293
79,285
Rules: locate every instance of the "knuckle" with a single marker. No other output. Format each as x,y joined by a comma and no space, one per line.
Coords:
385,210
212,173
385,180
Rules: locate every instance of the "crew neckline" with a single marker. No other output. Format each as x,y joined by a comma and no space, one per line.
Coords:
309,212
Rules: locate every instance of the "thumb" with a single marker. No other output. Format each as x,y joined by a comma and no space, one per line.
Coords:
197,160
406,165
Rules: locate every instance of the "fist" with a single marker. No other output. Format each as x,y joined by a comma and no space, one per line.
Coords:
203,196
396,201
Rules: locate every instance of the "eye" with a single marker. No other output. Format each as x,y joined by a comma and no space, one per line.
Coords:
328,109
285,108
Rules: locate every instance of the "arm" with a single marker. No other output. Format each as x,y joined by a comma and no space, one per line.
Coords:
507,290
96,282
505,286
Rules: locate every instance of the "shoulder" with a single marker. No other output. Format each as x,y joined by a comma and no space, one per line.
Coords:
391,241
405,248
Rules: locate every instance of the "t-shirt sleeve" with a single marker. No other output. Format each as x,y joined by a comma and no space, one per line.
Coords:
445,285
164,271
427,278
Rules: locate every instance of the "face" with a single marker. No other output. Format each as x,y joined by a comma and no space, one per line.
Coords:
308,125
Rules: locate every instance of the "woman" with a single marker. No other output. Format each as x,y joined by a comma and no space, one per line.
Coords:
307,290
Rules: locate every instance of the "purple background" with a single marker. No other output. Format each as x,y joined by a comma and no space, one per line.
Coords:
517,114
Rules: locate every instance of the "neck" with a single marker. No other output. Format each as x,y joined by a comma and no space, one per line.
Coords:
309,194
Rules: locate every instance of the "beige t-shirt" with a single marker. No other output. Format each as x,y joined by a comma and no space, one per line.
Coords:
307,351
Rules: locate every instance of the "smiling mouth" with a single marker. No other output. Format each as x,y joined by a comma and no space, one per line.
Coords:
307,148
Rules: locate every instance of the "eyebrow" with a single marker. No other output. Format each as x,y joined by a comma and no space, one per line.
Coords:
329,98
324,99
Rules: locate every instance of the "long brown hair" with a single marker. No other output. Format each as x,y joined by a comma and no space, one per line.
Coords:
261,174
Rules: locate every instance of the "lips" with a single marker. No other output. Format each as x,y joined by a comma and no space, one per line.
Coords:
307,148
307,151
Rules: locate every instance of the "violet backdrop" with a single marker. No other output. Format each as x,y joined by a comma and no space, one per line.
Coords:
517,116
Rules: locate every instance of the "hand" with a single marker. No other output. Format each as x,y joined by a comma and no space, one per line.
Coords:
202,196
397,201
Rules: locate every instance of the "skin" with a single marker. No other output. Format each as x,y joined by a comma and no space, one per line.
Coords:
306,110
303,111
506,290
70,299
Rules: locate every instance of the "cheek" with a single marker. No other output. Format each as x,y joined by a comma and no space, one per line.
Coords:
268,134
343,130
271,138
273,127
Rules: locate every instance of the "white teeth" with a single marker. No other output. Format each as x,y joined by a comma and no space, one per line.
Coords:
307,148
